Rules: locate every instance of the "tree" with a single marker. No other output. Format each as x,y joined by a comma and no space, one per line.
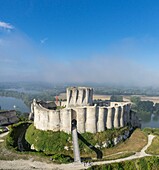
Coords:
156,108
116,98
145,106
135,99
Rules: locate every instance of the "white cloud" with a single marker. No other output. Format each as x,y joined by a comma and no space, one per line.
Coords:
123,64
5,25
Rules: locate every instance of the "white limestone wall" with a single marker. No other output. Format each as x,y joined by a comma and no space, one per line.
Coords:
65,116
91,121
37,120
68,96
89,96
79,96
54,120
43,118
122,116
110,118
102,113
64,103
46,119
89,118
81,119
117,116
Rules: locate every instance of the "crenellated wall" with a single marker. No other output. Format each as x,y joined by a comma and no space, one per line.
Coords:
90,118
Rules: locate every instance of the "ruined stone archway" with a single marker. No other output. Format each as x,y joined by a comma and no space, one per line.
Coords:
73,120
74,115
74,124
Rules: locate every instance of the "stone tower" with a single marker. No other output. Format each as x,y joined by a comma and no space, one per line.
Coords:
79,96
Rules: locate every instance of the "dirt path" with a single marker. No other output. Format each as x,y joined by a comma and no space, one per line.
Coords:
137,155
2,135
29,164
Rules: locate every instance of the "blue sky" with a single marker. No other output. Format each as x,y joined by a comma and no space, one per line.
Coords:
105,41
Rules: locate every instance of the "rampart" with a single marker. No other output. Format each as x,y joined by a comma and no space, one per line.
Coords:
90,118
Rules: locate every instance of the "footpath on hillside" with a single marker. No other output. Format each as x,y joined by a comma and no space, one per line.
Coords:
30,164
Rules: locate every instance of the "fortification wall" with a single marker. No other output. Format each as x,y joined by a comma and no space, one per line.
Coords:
46,119
81,119
110,117
91,119
79,107
117,116
102,119
65,124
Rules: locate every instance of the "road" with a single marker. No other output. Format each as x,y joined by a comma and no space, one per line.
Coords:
30,164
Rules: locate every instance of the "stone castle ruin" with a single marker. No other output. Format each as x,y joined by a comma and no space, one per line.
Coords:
81,110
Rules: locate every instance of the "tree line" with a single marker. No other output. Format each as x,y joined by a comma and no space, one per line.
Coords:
144,108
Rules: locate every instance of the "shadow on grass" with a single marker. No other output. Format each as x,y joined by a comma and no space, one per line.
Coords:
97,151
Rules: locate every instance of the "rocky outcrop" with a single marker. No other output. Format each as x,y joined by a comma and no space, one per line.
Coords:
8,117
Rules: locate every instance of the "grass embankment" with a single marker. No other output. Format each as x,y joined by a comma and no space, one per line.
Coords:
98,138
154,147
146,163
51,144
9,150
154,131
48,142
133,144
15,142
54,142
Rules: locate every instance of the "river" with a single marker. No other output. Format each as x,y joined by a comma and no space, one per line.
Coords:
10,103
153,122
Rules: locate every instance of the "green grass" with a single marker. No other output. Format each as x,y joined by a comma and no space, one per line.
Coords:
9,148
154,131
47,141
154,147
118,156
147,163
135,143
51,144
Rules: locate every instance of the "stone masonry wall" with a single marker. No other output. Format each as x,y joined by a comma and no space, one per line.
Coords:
89,118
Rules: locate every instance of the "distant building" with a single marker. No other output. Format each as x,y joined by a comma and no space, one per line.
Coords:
8,117
90,116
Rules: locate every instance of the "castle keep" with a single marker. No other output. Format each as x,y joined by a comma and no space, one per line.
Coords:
80,108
